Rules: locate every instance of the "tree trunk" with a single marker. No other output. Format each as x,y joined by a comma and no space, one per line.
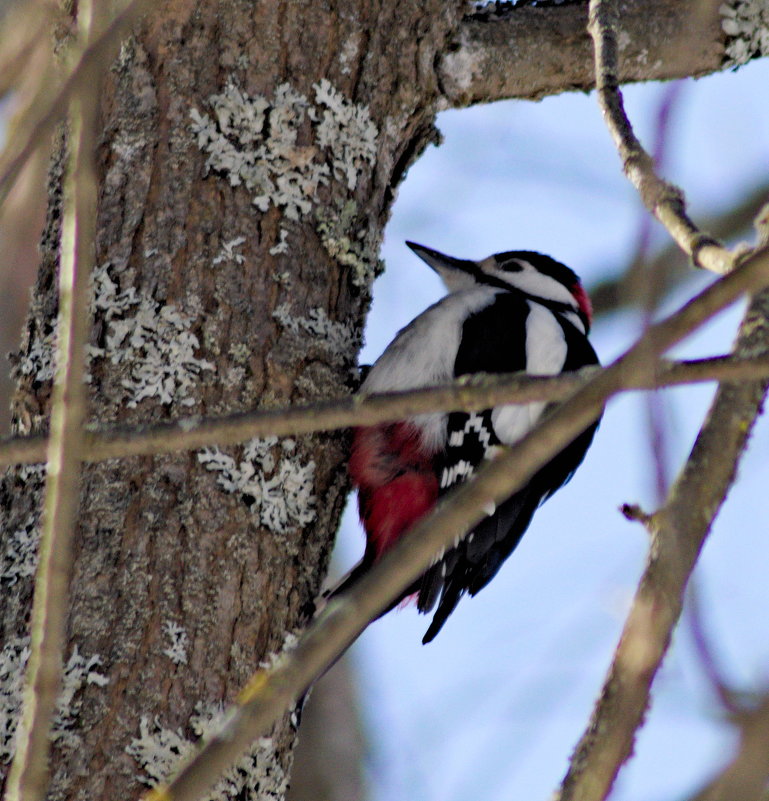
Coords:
248,159
234,267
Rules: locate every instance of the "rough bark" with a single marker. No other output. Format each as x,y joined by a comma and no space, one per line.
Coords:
161,543
533,52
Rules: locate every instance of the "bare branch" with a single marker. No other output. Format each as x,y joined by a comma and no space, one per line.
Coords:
27,780
44,112
661,198
468,394
641,283
274,689
25,30
678,532
632,511
707,658
669,265
761,224
746,777
552,53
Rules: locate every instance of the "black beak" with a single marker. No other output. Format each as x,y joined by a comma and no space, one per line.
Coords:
440,262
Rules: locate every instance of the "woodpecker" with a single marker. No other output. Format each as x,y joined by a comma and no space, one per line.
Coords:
513,311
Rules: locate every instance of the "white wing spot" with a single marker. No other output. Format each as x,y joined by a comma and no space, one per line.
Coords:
476,423
451,475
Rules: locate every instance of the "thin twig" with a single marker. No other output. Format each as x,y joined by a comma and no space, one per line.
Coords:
678,532
746,776
668,265
274,689
24,29
28,776
663,199
633,512
678,529
641,280
761,224
478,392
42,117
726,695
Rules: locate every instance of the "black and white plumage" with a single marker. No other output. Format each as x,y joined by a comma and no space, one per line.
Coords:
513,311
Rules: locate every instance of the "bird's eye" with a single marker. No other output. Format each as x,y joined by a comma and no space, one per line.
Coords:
510,265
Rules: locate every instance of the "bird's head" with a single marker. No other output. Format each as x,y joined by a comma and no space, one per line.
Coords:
526,271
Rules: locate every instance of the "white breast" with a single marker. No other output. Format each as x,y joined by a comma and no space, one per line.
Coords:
423,354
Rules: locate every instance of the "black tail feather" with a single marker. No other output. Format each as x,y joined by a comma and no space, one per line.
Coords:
452,592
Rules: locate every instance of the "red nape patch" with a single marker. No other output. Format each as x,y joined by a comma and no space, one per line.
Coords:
389,511
583,301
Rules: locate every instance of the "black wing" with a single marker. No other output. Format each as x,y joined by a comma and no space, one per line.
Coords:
499,332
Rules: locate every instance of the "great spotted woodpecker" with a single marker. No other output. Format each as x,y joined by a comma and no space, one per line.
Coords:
512,311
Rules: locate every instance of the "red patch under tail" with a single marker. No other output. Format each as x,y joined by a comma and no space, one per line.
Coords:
396,482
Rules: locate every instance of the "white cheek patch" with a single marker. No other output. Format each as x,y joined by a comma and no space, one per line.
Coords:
533,282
